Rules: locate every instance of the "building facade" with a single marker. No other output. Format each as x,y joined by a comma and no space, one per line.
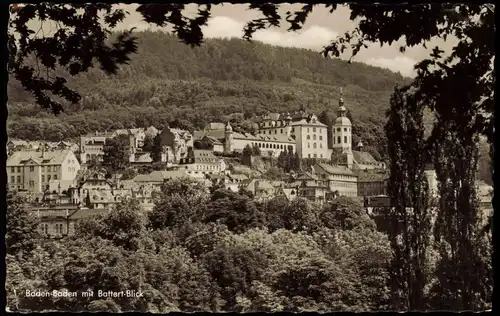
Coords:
92,146
33,171
372,182
308,133
269,145
201,163
337,179
176,144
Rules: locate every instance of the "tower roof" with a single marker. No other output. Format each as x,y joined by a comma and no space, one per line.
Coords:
342,120
341,112
228,127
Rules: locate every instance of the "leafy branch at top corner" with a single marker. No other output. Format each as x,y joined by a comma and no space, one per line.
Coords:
80,37
188,30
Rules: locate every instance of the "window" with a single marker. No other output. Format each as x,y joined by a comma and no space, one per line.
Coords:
32,183
314,136
13,179
334,140
275,131
12,169
345,139
338,129
48,168
44,228
314,129
339,140
345,129
315,155
308,137
314,145
281,131
55,177
308,129
321,155
309,155
308,145
48,178
32,168
320,137
293,129
19,169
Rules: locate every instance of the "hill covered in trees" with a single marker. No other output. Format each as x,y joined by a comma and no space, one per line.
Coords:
224,79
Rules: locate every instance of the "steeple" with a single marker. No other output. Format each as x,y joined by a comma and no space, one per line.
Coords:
342,110
341,100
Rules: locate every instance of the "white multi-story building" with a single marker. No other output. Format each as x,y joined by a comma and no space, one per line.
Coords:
34,171
309,134
269,145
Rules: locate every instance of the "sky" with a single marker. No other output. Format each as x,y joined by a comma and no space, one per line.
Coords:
321,27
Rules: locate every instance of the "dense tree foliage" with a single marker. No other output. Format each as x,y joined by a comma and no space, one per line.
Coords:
212,251
116,153
410,218
21,230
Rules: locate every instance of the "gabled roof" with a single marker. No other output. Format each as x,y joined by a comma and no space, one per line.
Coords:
203,155
362,157
18,142
85,213
54,157
262,184
308,121
239,177
333,170
306,176
146,157
101,196
159,176
212,140
151,131
217,134
372,175
289,193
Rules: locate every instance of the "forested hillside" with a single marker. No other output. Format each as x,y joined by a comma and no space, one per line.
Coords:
168,80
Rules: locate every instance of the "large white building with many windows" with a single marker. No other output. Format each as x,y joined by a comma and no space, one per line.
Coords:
309,134
35,171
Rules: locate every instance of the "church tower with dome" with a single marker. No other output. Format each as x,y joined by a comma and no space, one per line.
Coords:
342,129
342,136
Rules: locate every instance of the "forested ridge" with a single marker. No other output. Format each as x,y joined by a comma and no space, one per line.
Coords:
223,79
169,80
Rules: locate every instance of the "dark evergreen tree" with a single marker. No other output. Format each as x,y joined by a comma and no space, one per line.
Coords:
148,143
410,214
116,153
157,149
246,157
